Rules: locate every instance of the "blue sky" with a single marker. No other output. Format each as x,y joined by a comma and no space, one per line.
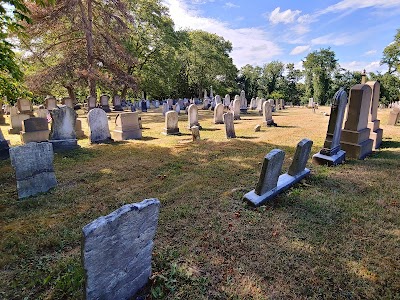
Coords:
287,30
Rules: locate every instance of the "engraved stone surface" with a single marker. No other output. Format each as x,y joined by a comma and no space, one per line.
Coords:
229,125
98,126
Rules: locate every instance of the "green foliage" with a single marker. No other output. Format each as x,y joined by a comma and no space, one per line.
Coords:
248,80
391,54
390,87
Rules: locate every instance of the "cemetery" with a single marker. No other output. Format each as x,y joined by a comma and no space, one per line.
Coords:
149,203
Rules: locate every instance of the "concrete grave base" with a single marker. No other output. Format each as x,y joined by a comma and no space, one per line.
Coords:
285,181
243,110
34,136
171,131
63,145
106,108
358,151
376,136
118,108
120,135
333,160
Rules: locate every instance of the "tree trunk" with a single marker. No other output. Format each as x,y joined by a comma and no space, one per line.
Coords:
71,93
124,92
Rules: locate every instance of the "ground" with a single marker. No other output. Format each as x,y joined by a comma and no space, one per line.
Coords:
336,235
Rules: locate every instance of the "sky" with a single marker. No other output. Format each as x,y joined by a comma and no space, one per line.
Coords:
287,30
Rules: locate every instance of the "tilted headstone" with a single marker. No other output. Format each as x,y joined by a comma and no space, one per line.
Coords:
24,106
355,135
193,116
270,183
332,154
243,102
104,103
4,147
195,133
62,134
117,249
33,164
67,102
171,123
218,114
376,133
227,100
91,102
117,103
267,114
35,130
127,127
98,126
236,109
50,103
229,125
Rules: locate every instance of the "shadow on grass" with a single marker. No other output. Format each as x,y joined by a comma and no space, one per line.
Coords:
390,144
287,126
210,129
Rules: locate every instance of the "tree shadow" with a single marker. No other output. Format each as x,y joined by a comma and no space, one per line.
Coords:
390,144
210,129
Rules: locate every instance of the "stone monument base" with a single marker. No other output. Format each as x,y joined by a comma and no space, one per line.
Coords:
106,108
270,123
330,160
120,135
2,119
376,136
243,110
118,108
357,144
4,147
63,145
78,129
171,131
285,181
35,136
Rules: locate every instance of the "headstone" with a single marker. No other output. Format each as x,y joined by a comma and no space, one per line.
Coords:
16,121
148,104
355,135
195,132
4,147
332,154
267,114
311,103
218,114
260,106
236,109
98,126
143,105
218,99
157,104
206,103
127,127
178,108
117,103
227,100
257,128
229,125
91,102
42,113
170,102
62,134
253,104
35,130
50,103
2,119
78,129
104,103
171,123
181,103
33,164
117,249
67,102
243,102
193,116
270,183
376,133
24,106
394,116
165,108
282,103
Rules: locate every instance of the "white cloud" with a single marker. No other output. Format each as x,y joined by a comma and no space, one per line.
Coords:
370,52
231,5
251,45
287,16
369,66
358,4
300,49
336,40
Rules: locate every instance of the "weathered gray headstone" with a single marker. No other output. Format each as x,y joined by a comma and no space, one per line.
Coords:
35,130
332,154
195,132
267,114
165,108
98,126
33,164
16,121
229,125
236,109
218,114
50,103
218,99
117,103
300,157
116,251
193,116
4,147
127,127
243,102
227,100
171,123
91,102
68,102
376,133
104,102
62,134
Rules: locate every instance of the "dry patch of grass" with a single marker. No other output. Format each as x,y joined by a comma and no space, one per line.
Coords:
335,235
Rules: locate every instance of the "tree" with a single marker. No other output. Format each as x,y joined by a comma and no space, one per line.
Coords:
390,87
343,78
248,80
290,84
391,54
319,67
271,74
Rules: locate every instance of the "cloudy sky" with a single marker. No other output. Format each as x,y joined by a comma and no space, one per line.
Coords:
287,30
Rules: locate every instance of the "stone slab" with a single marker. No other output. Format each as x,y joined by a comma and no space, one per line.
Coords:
333,160
358,151
35,136
120,135
4,149
64,145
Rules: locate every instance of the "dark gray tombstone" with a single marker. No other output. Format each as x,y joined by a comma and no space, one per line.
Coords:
116,251
35,130
229,125
104,103
33,164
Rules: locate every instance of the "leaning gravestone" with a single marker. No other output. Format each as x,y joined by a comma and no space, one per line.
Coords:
33,164
229,125
4,147
35,130
236,109
376,133
104,103
62,134
98,126
218,114
270,183
332,154
243,102
171,123
127,127
116,251
193,116
355,135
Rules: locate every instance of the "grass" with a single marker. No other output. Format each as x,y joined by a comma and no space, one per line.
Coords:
336,235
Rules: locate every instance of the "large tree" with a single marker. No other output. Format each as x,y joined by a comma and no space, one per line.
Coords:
248,80
271,74
391,55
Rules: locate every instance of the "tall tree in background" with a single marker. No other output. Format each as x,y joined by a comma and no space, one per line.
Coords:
248,80
391,55
271,74
290,84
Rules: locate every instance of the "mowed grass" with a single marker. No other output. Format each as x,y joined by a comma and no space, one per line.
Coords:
336,235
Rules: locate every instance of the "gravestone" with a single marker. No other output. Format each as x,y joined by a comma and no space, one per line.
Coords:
260,106
282,103
178,108
62,134
171,123
195,133
332,154
218,114
42,113
236,109
394,116
270,183
78,129
355,135
148,104
98,126
16,121
165,108
2,119
104,103
253,104
311,103
127,127
25,106
218,100
50,103
376,133
193,116
91,102
227,100
157,104
170,102
67,102
4,147
117,103
143,105
229,125
243,102
267,114
117,249
34,130
206,103
33,164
